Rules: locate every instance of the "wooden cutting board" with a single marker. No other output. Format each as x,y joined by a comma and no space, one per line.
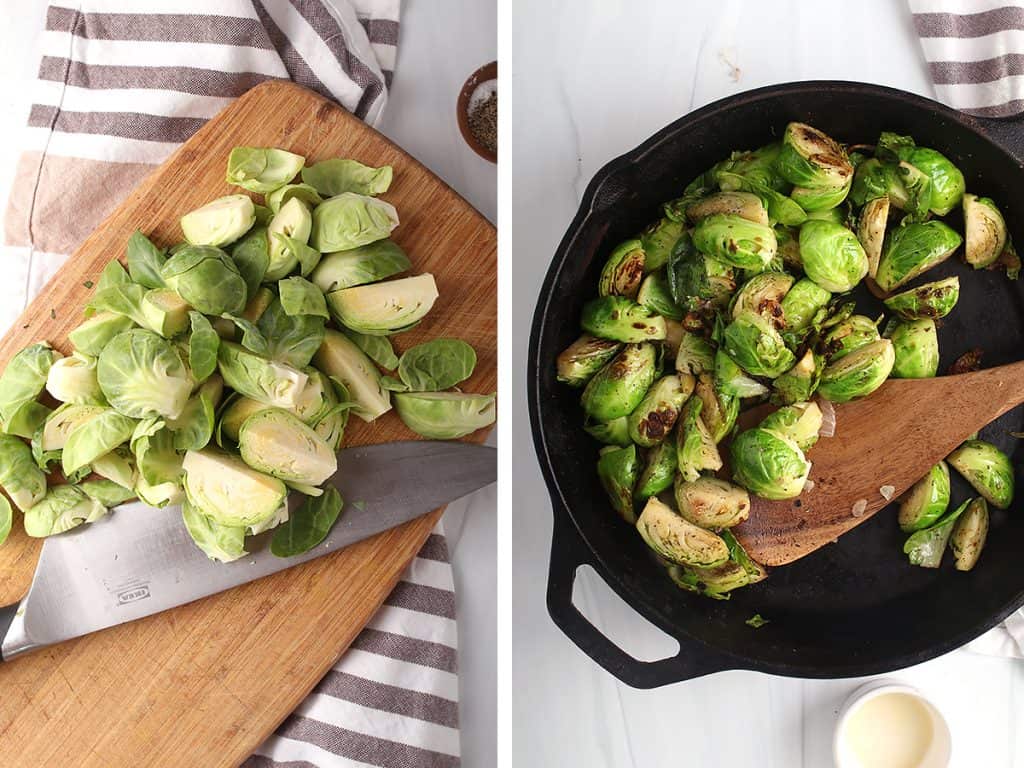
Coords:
204,684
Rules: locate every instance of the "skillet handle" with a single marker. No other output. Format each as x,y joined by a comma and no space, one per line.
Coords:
569,552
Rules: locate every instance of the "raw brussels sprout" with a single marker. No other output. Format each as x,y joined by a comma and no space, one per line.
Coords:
799,382
815,200
985,228
712,503
207,279
969,534
145,261
219,222
659,469
350,220
220,542
585,357
913,249
293,222
278,443
987,469
259,302
811,159
193,429
95,333
620,319
622,273
282,195
224,488
656,296
802,302
359,266
658,242
735,241
165,312
251,255
832,256
445,415
719,411
756,346
800,422
20,478
159,495
926,501
617,470
61,509
858,373
656,415
142,375
301,297
106,492
338,175
916,347
677,540
262,170
96,437
769,464
27,420
203,345
846,336
743,204
696,450
236,411
731,382
49,441
23,380
763,295
289,339
932,300
947,182
926,546
384,308
118,466
695,356
871,230
73,380
273,383
614,432
907,188
341,359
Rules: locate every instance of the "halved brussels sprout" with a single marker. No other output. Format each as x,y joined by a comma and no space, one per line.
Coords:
384,308
769,464
947,182
614,432
677,540
747,205
816,199
926,546
652,420
800,422
656,296
695,354
696,450
986,231
674,332
622,273
832,256
659,468
621,319
24,379
810,158
987,469
859,373
49,441
914,248
336,175
617,389
926,501
932,300
20,478
359,266
61,509
697,281
758,166
294,221
165,312
789,248
658,242
731,382
907,188
719,410
350,220
225,543
735,241
846,336
253,376
445,415
72,379
207,279
871,230
799,382
969,534
763,295
304,192
340,358
916,347
712,503
585,357
141,374
756,346
617,470
96,332
720,581
802,302
219,222
118,466
230,492
94,438
278,443
262,169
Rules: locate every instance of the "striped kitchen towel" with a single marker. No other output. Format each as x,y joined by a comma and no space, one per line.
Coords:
121,84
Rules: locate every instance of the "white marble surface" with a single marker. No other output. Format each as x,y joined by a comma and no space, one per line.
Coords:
421,118
584,82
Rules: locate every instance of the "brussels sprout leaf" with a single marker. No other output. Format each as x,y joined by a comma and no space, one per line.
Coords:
308,525
145,261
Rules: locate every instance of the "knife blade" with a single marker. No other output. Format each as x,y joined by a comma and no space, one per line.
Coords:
139,560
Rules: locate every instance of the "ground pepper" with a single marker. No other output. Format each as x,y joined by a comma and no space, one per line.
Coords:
483,122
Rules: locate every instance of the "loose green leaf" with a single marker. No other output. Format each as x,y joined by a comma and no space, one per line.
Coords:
252,338
308,525
113,274
377,348
202,347
756,621
23,380
437,364
251,255
301,297
145,261
291,340
391,384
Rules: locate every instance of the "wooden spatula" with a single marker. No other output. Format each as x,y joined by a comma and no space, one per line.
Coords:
888,439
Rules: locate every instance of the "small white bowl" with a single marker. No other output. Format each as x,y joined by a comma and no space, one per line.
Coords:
939,752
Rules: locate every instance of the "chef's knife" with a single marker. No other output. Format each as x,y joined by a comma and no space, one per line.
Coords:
139,560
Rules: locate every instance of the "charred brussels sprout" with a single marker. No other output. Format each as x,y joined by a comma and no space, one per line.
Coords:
916,347
744,204
926,546
678,540
656,296
799,382
986,231
735,241
614,432
821,199
811,159
932,300
619,387
802,302
756,346
832,256
859,373
718,410
620,319
695,356
846,336
712,503
585,357
987,469
763,294
871,230
652,420
800,422
658,241
769,464
913,249
969,534
659,469
617,469
695,447
926,501
623,271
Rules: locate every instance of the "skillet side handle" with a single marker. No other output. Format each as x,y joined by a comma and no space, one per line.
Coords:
568,552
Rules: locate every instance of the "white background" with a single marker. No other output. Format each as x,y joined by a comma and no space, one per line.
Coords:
420,117
584,82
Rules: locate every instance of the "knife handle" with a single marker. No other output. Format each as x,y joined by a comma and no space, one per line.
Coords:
7,614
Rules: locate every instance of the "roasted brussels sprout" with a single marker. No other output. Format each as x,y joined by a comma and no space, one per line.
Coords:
858,373
832,256
756,166
656,296
623,271
802,302
913,249
677,540
932,300
756,346
811,159
673,336
731,382
769,464
744,204
617,469
799,382
763,294
696,450
846,336
697,281
925,547
719,411
585,357
916,347
658,242
815,200
620,319
656,415
985,228
660,467
800,422
735,241
969,534
695,356
926,501
614,432
987,469
947,182
617,389
906,187
871,230
788,248
712,503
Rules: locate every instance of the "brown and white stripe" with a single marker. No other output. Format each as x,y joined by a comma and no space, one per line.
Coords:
975,53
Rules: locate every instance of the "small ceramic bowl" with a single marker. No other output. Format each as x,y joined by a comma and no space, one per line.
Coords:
940,750
483,75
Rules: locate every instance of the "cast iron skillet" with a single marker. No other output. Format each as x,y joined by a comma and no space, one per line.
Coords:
856,607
